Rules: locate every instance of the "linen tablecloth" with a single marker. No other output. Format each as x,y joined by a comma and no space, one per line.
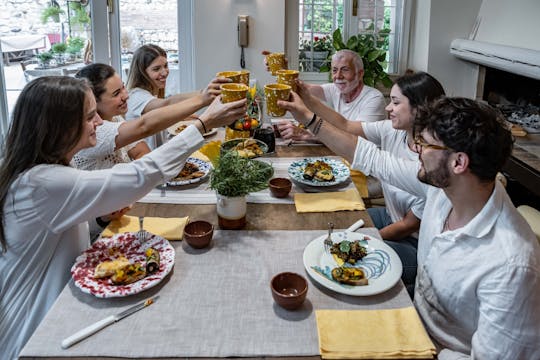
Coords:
200,193
215,303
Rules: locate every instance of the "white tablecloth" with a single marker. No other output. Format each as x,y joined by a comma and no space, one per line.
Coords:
215,303
24,42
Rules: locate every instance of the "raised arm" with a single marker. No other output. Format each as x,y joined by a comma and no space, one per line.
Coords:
333,117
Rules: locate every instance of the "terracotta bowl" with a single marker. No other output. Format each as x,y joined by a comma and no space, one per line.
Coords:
289,290
280,187
198,234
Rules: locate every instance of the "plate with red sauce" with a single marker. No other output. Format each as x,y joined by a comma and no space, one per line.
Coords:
125,244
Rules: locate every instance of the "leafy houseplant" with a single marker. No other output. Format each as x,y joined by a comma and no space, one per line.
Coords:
45,58
318,44
235,176
59,48
51,12
370,47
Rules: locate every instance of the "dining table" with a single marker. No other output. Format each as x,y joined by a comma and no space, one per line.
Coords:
216,302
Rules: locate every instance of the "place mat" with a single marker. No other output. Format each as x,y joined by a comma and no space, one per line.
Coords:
329,201
373,334
215,303
200,193
168,228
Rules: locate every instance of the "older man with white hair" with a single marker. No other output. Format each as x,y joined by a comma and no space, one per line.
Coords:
347,94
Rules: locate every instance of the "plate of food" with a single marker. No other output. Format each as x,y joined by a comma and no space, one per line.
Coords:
358,265
319,172
182,125
194,171
247,148
122,265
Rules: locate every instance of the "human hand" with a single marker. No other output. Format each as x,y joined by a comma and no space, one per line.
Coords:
303,90
290,131
266,52
296,107
214,89
219,114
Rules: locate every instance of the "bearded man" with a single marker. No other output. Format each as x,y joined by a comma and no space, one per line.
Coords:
478,283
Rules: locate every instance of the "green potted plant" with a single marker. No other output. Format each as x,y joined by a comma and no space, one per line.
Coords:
74,46
52,12
234,177
59,49
44,58
371,48
315,53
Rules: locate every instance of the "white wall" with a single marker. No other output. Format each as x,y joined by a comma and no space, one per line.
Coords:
215,36
435,24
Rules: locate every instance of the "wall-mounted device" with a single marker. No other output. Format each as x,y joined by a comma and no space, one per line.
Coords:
243,36
243,30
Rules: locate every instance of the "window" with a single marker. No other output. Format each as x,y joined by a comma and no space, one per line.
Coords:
319,18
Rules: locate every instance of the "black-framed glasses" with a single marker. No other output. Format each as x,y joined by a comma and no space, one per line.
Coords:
420,143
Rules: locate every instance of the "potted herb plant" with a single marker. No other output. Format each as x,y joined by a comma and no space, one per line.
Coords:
44,59
371,48
233,177
315,52
52,12
59,49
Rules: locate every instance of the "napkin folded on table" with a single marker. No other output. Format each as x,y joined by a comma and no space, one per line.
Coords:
329,201
373,334
168,228
359,180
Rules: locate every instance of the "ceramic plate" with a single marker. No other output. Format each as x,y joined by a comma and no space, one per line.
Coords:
203,167
228,145
178,127
382,265
339,169
128,245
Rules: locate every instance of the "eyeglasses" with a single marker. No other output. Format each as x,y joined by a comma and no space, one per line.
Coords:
422,144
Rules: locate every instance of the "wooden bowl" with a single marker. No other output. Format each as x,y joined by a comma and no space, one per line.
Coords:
280,187
198,233
289,290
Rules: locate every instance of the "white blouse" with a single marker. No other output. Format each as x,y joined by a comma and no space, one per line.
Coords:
45,222
104,155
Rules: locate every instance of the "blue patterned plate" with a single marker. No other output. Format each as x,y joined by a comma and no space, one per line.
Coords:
204,168
382,265
339,169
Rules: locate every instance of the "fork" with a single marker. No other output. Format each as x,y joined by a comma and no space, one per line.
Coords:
328,241
141,234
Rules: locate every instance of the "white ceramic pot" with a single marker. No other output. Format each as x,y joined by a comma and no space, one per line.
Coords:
231,211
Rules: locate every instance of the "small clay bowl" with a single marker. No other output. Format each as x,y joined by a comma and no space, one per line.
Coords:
289,290
198,233
280,187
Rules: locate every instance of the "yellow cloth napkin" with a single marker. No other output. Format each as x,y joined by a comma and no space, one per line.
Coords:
331,201
199,155
168,228
359,180
373,334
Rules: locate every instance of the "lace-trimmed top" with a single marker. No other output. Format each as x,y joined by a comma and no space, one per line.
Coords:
103,155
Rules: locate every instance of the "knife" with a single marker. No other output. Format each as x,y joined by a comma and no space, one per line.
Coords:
92,329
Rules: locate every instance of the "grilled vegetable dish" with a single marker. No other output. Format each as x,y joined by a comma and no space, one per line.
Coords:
318,170
347,252
349,276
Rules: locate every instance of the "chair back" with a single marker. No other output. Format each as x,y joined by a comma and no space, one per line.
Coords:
533,218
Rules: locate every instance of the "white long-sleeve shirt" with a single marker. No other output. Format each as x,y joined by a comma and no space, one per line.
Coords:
137,101
45,220
478,287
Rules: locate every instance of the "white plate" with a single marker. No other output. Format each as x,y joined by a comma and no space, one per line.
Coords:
203,166
128,245
382,265
173,130
339,169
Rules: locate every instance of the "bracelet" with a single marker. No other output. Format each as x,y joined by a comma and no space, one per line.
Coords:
317,127
311,121
203,126
102,222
